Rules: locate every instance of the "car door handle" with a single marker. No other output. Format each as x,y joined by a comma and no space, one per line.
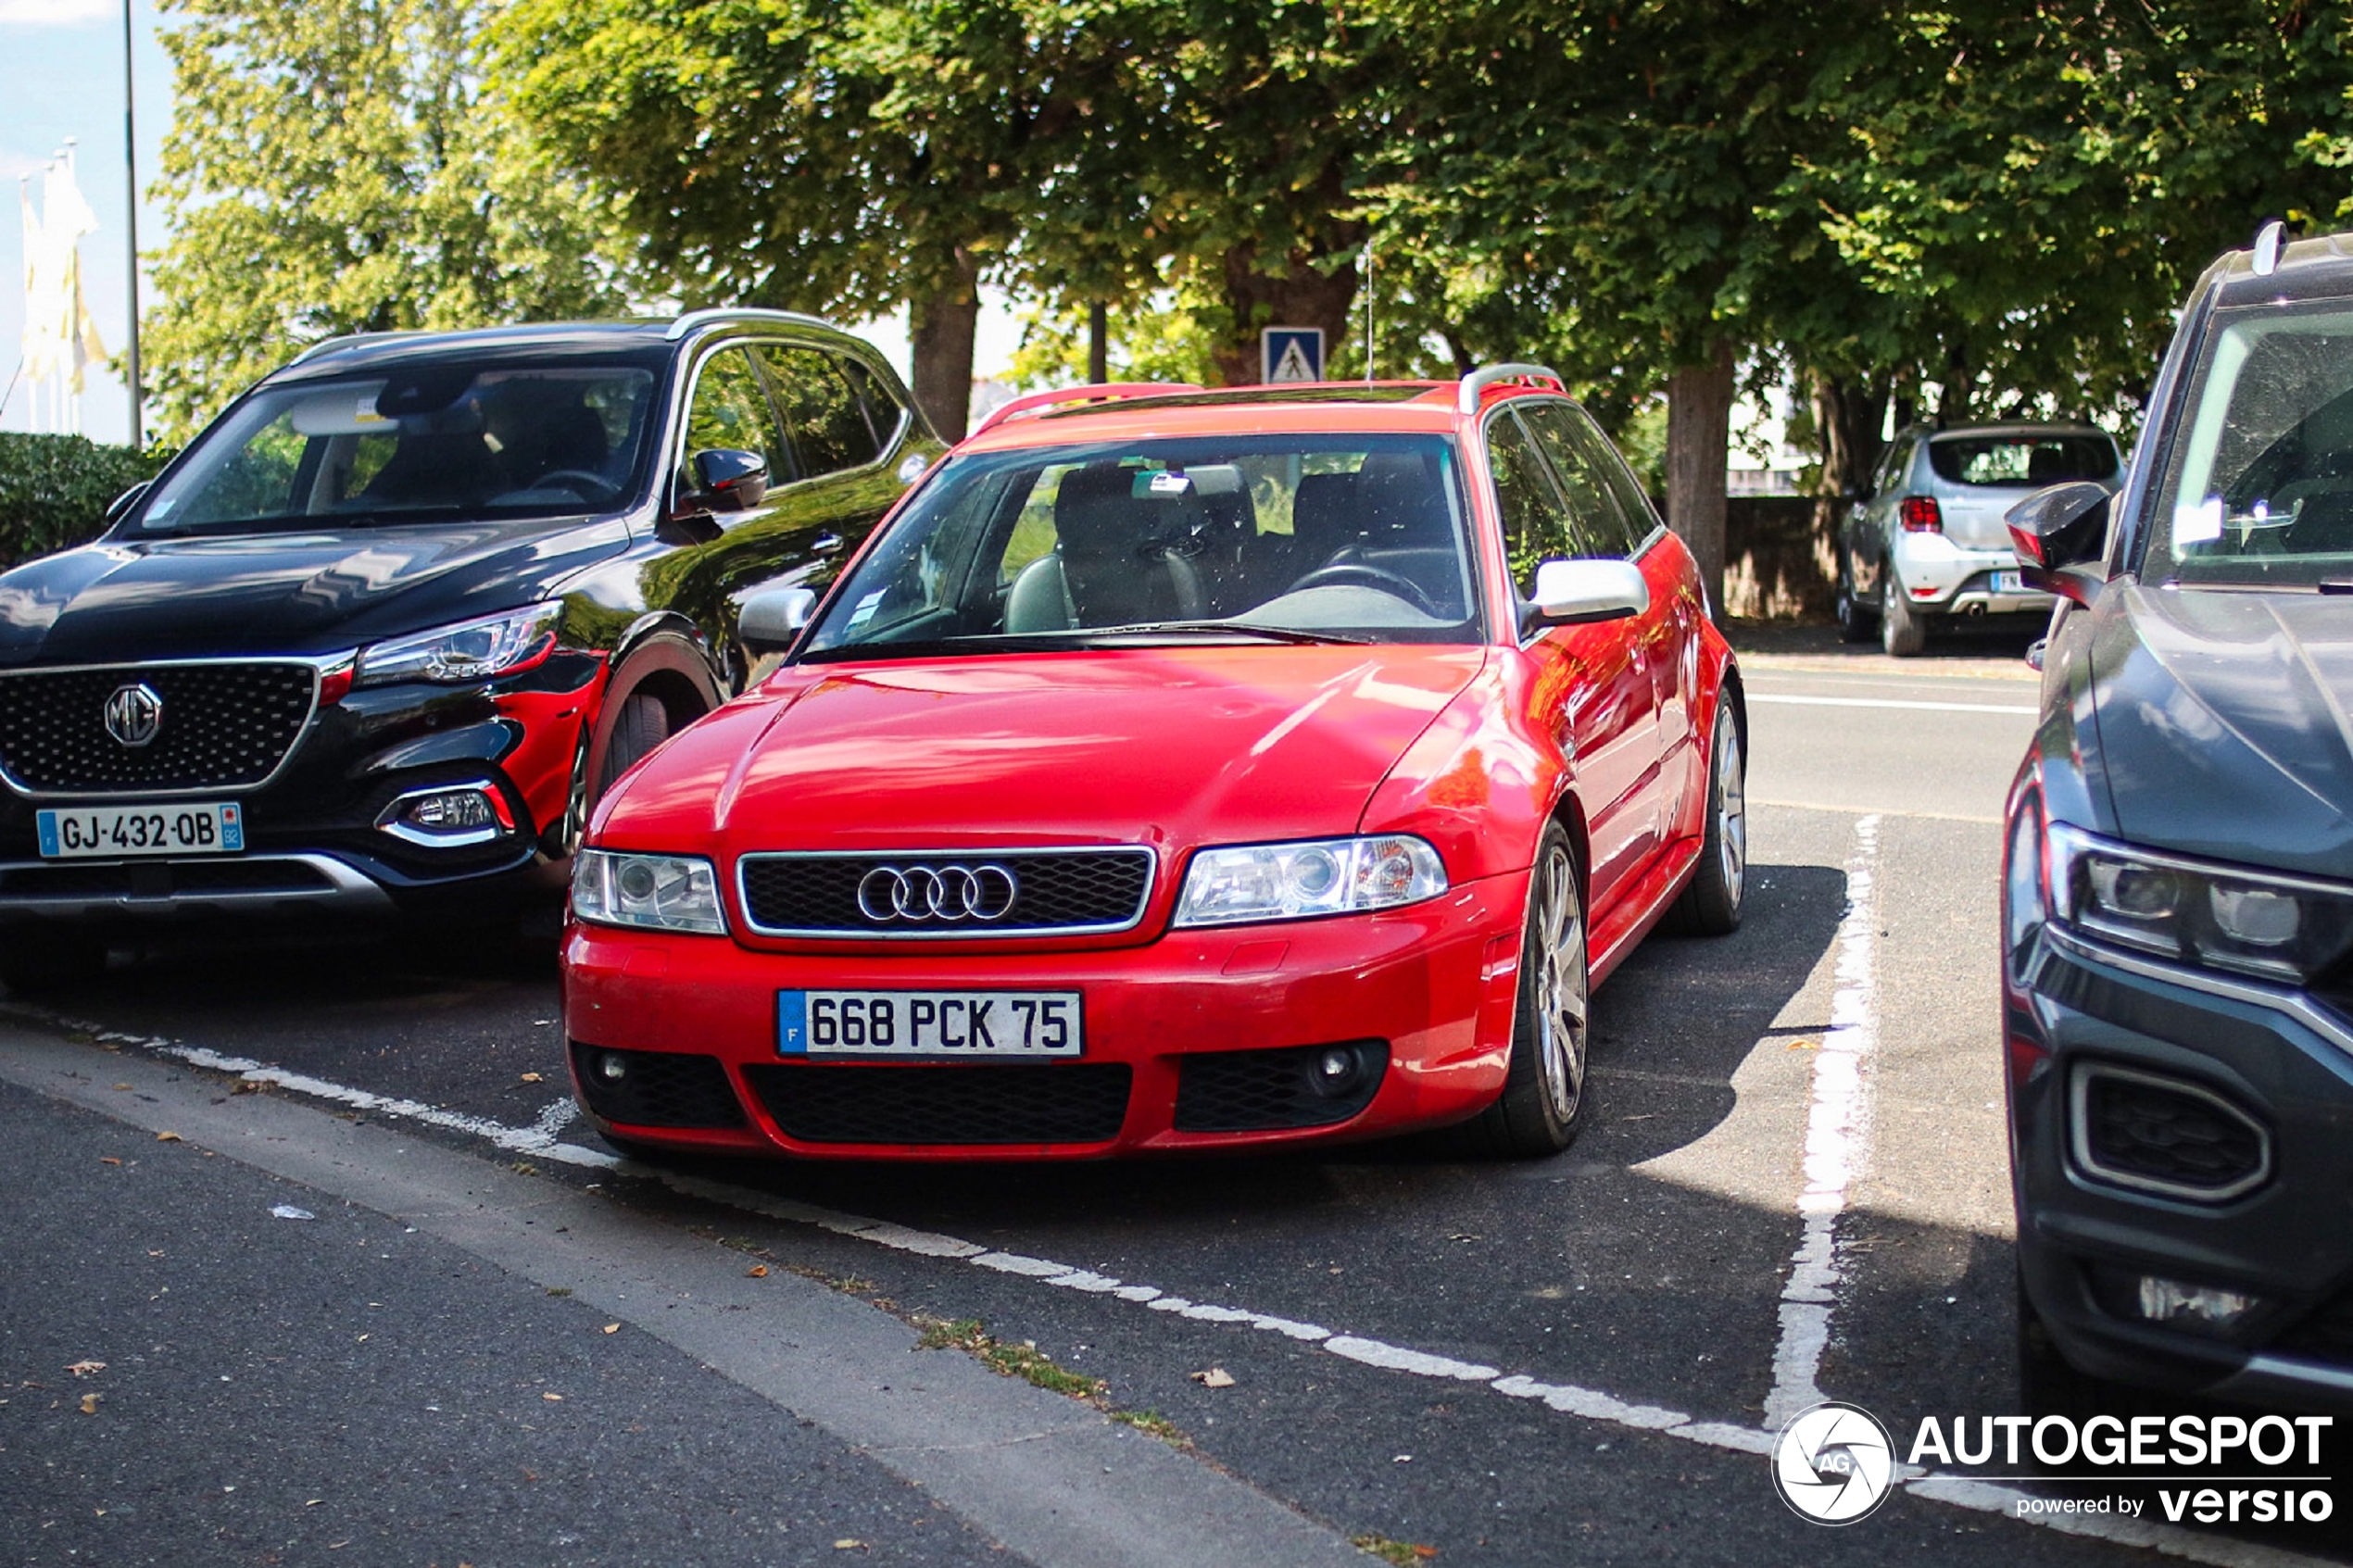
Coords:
826,545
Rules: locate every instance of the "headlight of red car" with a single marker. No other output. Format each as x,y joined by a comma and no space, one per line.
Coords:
1323,876
657,892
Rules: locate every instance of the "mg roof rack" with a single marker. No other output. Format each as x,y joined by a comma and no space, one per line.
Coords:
1097,392
1475,385
695,321
345,340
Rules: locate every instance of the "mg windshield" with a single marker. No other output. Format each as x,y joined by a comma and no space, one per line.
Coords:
2260,488
438,441
1355,538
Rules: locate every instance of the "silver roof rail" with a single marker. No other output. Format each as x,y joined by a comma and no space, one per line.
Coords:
695,321
345,340
1478,381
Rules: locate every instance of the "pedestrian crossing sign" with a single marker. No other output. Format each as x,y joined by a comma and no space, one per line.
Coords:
1291,354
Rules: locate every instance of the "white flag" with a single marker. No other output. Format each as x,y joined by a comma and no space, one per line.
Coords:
38,343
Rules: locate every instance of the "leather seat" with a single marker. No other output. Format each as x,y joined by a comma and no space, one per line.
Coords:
1113,562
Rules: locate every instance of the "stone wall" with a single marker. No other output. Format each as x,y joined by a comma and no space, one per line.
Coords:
1779,559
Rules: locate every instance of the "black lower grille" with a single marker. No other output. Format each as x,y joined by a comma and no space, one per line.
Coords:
160,879
2186,1138
1061,890
2326,1334
1293,1087
655,1088
214,726
1075,1102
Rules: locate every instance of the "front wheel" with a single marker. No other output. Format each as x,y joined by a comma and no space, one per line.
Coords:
1854,620
1543,1104
1711,904
642,724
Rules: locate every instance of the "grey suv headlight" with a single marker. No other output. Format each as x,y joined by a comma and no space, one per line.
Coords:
656,892
2255,922
1322,876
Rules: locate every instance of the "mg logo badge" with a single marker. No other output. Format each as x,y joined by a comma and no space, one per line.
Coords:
135,713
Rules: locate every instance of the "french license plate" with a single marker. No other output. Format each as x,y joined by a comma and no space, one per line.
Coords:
2006,583
960,1025
113,832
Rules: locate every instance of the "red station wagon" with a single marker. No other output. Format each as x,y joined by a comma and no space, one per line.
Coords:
1177,770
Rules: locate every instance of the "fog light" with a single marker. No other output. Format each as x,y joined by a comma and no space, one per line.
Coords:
2191,1306
1337,1070
463,814
612,1067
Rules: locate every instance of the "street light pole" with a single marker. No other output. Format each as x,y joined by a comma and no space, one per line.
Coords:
131,170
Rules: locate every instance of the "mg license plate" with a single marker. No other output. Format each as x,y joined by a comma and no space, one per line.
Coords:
113,833
931,1025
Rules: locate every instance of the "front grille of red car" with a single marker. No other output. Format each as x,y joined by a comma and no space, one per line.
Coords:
1061,1103
224,725
1058,892
655,1088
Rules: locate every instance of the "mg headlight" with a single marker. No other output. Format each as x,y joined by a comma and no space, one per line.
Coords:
472,650
657,892
1324,876
2257,922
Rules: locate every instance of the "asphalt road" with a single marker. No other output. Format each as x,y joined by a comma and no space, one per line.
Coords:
1573,1360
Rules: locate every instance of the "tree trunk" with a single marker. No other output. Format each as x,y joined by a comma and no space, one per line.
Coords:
1848,416
1304,297
941,324
1699,427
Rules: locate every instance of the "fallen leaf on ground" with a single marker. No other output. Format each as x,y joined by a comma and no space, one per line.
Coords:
108,1159
90,1403
1806,1045
1215,1377
612,1328
83,1369
170,1137
850,1543
533,1078
758,1270
553,1398
288,1212
123,1086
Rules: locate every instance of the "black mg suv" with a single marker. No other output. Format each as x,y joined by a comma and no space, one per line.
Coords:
2178,891
378,638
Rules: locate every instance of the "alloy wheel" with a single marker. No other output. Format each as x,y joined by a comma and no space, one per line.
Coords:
1732,809
1561,985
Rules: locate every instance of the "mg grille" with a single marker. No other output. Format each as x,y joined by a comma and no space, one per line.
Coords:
1056,891
1079,1102
222,726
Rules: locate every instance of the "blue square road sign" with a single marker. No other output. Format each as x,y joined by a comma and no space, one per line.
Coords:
1289,354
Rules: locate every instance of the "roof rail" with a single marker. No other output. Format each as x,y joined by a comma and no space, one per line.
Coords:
1096,392
345,340
1478,381
693,320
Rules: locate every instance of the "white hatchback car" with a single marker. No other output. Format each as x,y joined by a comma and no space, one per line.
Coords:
1928,540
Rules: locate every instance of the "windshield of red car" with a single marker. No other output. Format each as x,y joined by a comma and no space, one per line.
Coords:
427,441
1350,536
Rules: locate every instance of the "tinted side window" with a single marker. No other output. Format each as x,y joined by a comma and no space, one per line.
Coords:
828,422
1598,525
883,411
1535,527
731,411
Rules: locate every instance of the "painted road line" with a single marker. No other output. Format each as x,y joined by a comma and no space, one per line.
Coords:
1891,702
1570,1399
1754,800
1837,1141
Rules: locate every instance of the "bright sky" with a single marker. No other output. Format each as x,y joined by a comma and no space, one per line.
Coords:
61,76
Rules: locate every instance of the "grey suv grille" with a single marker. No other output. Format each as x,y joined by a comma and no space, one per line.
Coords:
223,726
1057,891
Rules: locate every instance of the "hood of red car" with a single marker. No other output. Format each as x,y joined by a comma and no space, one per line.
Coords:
1162,746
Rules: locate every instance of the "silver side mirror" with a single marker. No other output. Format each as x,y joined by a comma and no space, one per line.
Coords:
1571,591
771,619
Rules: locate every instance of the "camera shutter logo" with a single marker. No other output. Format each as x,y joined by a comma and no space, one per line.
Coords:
946,893
135,713
1833,1464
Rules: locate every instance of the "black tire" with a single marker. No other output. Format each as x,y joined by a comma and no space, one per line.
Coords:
1856,621
1902,632
1710,906
37,962
642,724
1542,1105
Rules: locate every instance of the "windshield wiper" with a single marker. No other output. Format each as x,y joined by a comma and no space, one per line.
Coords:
1217,628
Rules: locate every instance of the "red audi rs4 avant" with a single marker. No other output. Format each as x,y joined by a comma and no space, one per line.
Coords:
1177,770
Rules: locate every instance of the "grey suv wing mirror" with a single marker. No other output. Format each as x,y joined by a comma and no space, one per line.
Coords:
771,619
1571,592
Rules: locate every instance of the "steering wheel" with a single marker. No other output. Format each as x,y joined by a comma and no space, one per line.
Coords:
606,490
1371,576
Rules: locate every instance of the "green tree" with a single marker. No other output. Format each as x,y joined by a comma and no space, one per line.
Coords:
341,167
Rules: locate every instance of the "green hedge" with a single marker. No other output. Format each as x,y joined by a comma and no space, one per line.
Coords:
54,490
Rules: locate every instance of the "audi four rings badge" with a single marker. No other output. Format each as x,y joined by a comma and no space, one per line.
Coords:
940,892
135,713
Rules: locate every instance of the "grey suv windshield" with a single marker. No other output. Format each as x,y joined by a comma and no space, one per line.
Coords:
1356,538
2259,486
424,442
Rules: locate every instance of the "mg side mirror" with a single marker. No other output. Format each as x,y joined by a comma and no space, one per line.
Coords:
1571,593
2058,535
725,480
124,502
771,619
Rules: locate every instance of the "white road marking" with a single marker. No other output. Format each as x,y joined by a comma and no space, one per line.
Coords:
1583,1404
1754,800
1891,702
1837,1138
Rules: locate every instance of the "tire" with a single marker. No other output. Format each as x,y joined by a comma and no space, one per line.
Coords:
2050,1385
1902,632
642,724
37,962
1542,1105
1856,621
1710,906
